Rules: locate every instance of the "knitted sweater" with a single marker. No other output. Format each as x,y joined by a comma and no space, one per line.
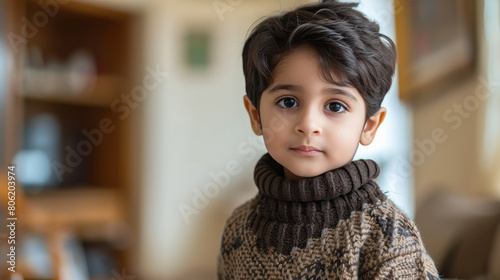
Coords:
337,225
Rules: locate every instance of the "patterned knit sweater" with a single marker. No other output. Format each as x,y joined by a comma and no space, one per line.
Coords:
337,225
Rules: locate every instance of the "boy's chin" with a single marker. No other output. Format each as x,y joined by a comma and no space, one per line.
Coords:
301,175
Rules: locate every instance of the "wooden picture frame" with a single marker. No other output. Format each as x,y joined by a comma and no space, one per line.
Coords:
436,44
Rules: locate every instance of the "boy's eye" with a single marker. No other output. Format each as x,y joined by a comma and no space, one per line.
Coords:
287,102
335,107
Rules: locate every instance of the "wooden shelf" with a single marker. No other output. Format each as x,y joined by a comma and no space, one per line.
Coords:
90,213
101,90
61,85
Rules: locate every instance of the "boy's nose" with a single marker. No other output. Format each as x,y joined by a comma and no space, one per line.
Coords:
308,123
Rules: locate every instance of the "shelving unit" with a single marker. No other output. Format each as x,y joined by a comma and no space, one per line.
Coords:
96,94
79,177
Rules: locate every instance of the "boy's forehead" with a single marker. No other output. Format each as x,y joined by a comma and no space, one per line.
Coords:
296,77
299,62
291,55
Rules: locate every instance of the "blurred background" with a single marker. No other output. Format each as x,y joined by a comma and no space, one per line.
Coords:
123,123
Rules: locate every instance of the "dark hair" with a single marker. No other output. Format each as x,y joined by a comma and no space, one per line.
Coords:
347,42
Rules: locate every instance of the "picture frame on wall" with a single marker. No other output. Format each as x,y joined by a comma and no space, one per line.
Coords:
436,44
197,46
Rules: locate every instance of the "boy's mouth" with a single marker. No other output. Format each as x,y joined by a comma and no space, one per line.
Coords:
311,151
307,149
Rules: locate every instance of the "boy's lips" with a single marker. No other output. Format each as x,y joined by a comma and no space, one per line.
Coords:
307,150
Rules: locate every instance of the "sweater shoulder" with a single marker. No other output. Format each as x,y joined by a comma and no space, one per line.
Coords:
393,226
235,222
391,220
392,235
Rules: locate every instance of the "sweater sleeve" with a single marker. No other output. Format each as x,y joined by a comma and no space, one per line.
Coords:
231,240
220,270
415,265
221,265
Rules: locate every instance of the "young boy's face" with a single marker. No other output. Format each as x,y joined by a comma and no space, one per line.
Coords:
309,125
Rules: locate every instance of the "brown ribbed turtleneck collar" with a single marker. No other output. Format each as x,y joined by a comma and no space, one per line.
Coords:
289,213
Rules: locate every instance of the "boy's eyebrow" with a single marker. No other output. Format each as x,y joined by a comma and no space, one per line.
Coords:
327,90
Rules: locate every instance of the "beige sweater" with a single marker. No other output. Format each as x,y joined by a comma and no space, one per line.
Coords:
338,225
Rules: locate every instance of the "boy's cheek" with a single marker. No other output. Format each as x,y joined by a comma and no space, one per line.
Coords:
277,124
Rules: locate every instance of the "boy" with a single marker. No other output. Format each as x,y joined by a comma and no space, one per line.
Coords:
315,80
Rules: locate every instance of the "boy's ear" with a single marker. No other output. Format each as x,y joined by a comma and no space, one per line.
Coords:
254,115
371,127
